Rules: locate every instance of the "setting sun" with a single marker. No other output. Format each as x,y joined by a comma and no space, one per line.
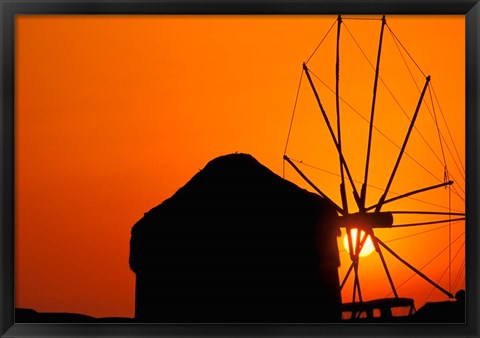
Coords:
367,248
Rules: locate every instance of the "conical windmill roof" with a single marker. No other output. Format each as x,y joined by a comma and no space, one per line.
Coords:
233,195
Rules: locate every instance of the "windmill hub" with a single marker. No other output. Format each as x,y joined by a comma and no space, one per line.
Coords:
366,221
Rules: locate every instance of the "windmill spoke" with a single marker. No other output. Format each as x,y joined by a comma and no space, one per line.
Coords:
357,283
428,213
346,276
343,193
413,268
327,122
354,255
429,223
380,254
340,210
381,203
382,199
370,130
356,260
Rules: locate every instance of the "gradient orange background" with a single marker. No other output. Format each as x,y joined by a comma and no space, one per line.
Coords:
115,113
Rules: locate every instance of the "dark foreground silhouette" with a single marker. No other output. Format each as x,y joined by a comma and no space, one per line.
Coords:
443,312
433,312
31,316
402,310
237,243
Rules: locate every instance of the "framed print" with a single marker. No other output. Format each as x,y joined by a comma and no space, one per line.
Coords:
261,169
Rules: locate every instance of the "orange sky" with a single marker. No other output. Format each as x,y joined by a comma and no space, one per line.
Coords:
115,113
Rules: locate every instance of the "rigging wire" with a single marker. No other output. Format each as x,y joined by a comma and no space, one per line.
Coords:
449,240
460,171
406,115
424,266
405,62
459,274
396,38
445,271
434,119
449,133
416,234
291,121
439,137
361,19
397,42
318,46
294,110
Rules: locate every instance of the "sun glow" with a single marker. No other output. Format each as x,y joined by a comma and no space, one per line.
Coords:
367,248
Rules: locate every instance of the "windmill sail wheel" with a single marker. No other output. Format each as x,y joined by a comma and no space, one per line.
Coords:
376,139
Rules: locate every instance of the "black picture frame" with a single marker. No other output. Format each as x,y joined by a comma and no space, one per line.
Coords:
10,8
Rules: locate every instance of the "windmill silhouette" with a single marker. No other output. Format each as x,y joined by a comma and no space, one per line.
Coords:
367,218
